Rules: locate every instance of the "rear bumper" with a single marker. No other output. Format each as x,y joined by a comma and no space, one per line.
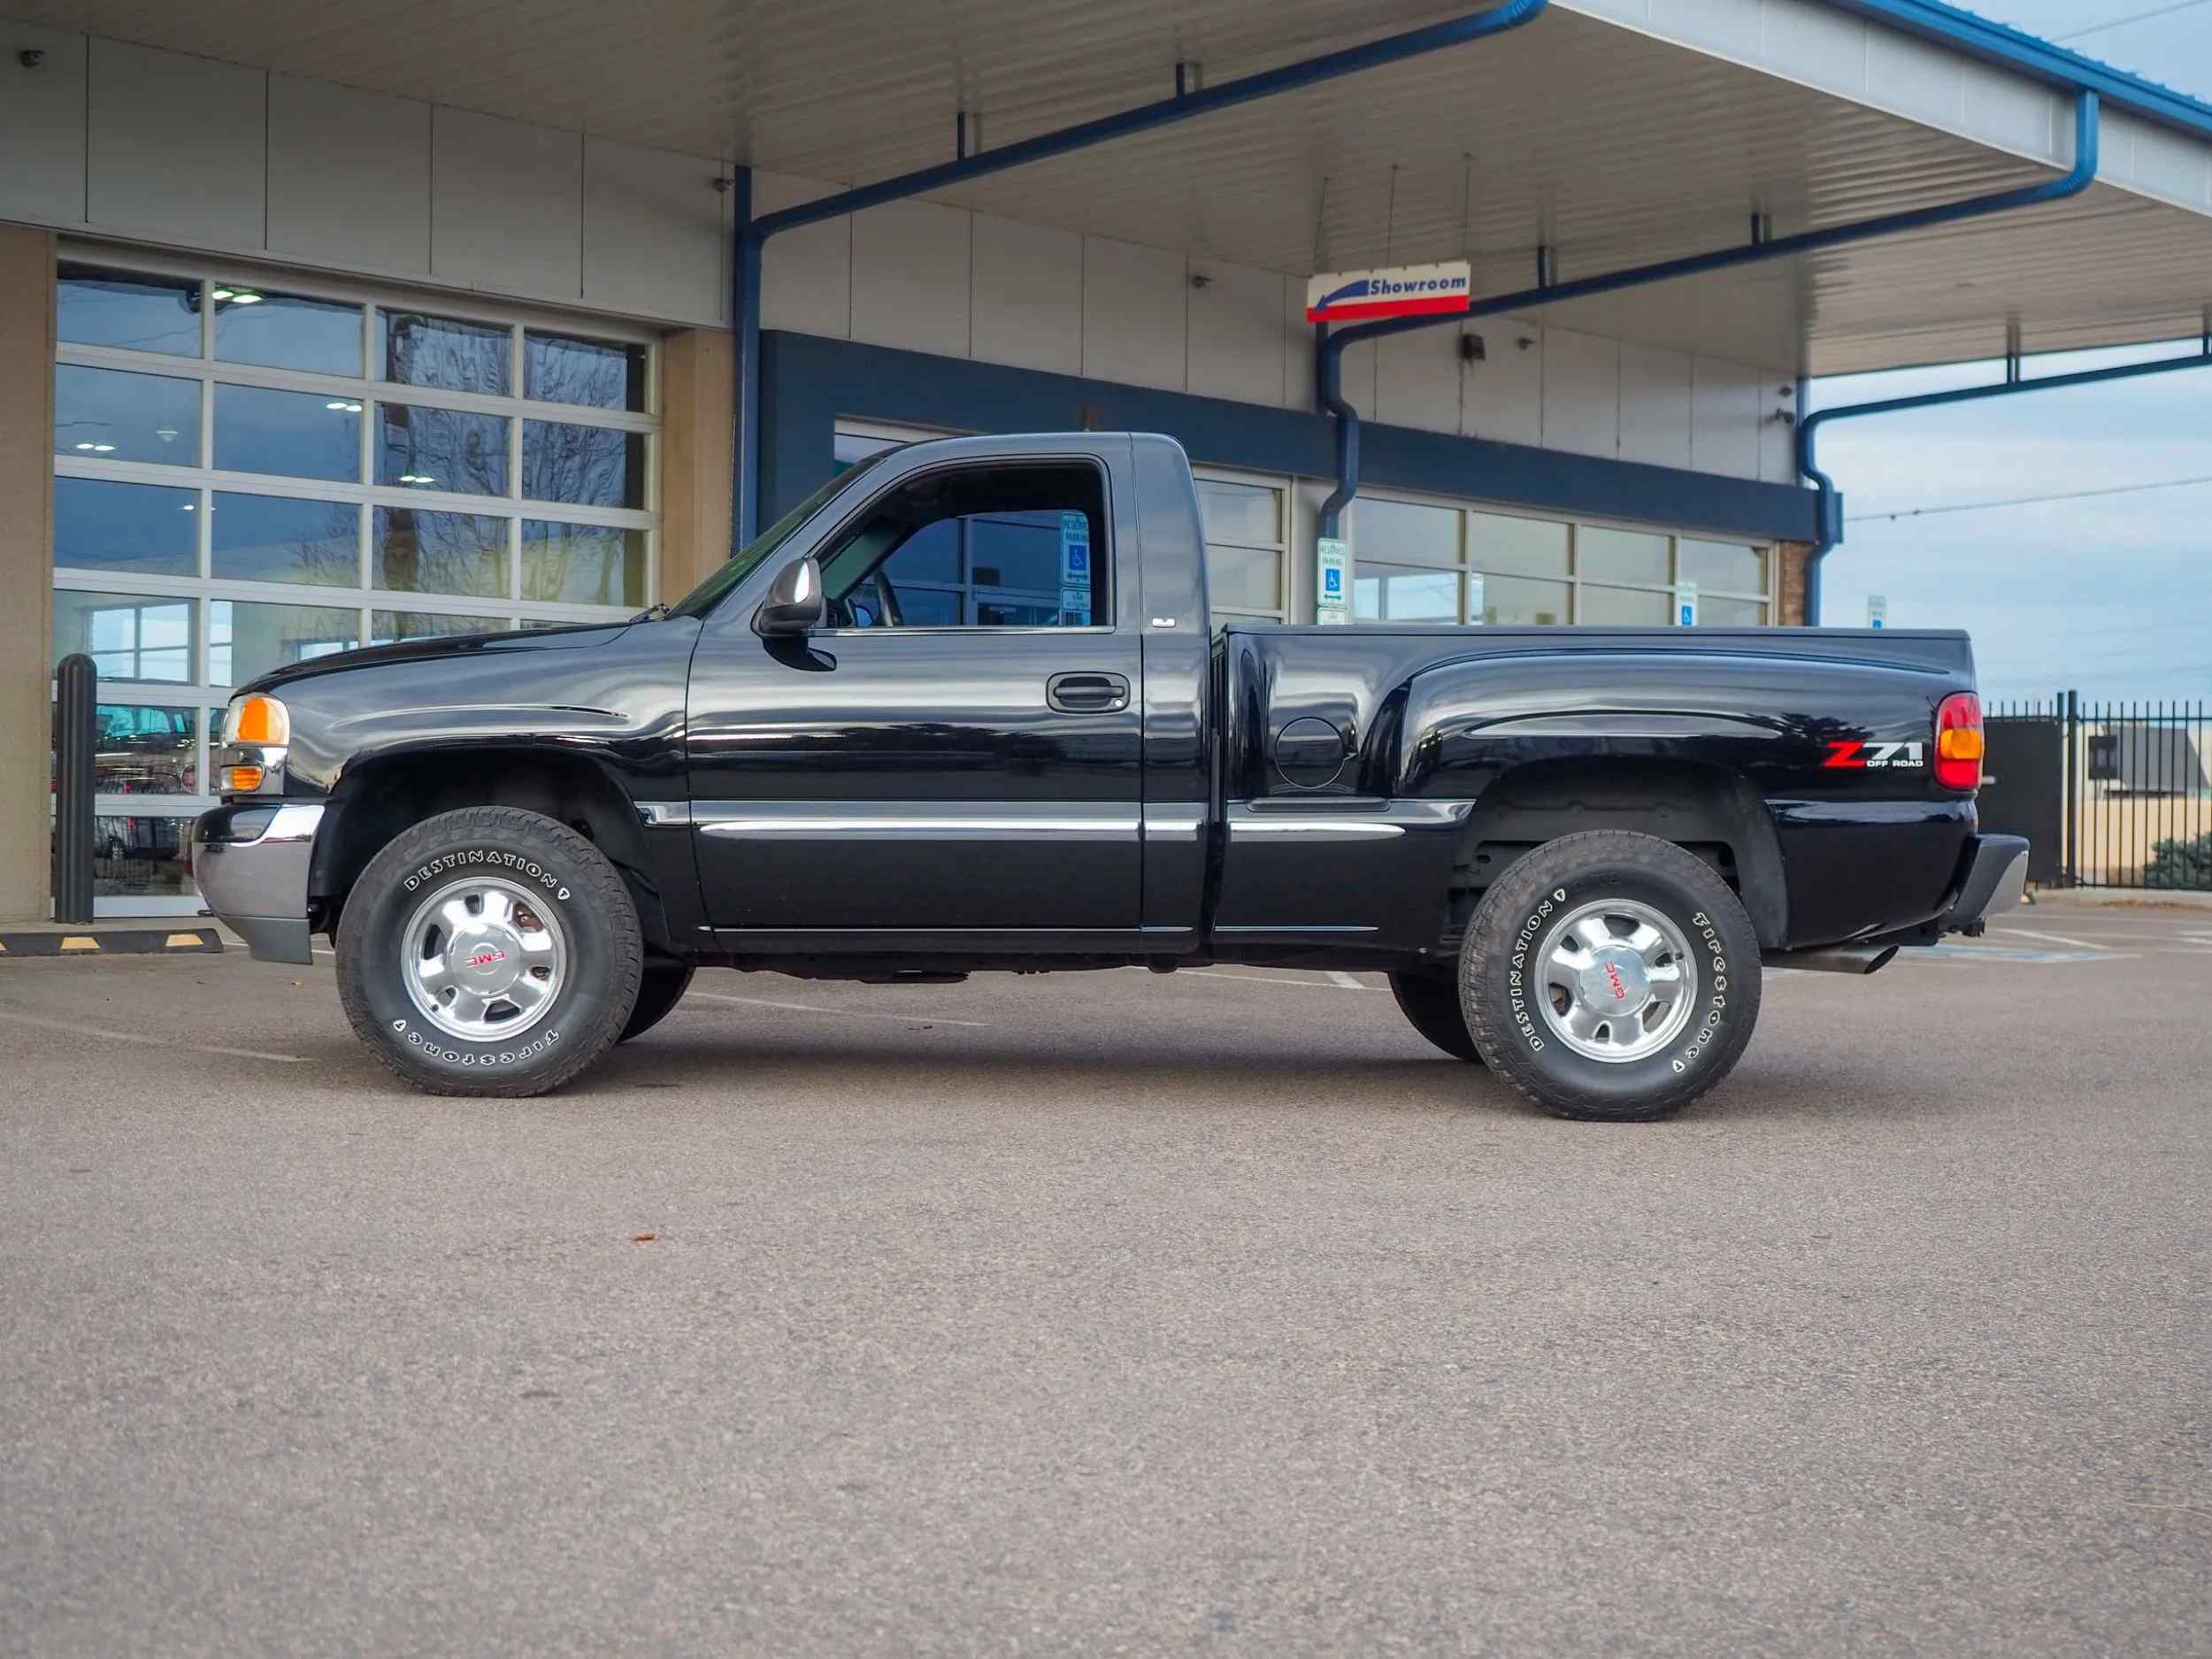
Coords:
1996,874
250,862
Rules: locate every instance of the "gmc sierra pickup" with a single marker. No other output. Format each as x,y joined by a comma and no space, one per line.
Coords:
965,708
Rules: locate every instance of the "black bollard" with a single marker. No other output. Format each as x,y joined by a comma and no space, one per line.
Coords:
74,737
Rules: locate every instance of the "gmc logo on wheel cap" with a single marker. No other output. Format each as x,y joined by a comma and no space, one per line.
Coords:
484,955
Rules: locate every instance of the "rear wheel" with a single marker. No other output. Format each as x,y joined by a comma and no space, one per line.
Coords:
660,988
1431,1001
489,952
1610,975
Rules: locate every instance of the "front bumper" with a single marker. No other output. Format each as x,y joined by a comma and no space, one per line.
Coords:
1996,876
250,861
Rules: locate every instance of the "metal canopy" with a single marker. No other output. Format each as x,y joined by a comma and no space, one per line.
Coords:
1612,146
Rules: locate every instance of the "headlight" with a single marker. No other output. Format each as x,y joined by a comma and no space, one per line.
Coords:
256,719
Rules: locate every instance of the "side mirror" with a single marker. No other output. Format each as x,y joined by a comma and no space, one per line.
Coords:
795,604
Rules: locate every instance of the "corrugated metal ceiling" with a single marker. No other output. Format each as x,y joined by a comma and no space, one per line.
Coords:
1612,146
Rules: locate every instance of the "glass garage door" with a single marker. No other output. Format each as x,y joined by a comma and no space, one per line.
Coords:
250,473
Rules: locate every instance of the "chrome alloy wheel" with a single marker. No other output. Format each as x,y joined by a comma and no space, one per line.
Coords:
1618,980
482,960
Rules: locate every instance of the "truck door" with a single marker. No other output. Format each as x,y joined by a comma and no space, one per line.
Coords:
960,746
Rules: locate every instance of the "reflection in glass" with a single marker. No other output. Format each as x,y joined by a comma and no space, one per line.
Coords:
583,564
148,529
275,539
1516,602
112,415
464,553
1621,556
297,434
591,466
95,307
1387,593
1020,549
285,331
1244,579
445,352
246,641
389,627
128,636
561,369
1404,530
929,608
441,449
1625,608
146,856
932,554
1730,613
1517,547
1728,565
140,750
1240,512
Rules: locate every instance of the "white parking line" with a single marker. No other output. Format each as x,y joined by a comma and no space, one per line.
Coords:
1345,980
840,1013
2052,939
107,1036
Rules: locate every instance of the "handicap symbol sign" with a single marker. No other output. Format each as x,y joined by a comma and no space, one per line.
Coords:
1333,582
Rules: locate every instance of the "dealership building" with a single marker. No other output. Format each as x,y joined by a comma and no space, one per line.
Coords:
350,323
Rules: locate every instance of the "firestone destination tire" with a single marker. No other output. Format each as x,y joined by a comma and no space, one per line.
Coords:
1430,1002
489,952
660,988
1610,976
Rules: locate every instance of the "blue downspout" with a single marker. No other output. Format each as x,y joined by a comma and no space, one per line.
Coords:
1831,504
1328,370
1761,248
748,233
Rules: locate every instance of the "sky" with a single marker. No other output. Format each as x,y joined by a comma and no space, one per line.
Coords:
2109,594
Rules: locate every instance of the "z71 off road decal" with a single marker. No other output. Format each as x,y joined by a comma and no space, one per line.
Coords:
1852,754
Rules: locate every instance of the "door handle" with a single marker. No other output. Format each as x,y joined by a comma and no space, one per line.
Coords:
1088,694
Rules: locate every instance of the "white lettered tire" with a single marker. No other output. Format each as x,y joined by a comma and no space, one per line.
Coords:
489,952
1610,975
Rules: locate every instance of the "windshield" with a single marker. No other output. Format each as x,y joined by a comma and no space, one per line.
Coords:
747,558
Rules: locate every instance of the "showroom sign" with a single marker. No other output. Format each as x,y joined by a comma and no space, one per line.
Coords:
1406,290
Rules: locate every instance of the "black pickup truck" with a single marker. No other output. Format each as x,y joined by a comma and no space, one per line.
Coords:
965,708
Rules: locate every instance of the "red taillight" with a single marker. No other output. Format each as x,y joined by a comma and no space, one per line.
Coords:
1958,749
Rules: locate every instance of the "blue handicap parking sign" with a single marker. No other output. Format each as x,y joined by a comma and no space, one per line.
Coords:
1333,582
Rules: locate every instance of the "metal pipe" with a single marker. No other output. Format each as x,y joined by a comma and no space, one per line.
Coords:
748,233
1859,959
1329,369
75,705
1832,504
2072,182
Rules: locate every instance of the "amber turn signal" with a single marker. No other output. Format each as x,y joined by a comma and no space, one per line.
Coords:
242,780
256,719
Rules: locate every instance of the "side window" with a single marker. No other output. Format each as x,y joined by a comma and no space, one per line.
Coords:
1010,545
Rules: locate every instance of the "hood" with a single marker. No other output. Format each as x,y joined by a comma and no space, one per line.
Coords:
579,637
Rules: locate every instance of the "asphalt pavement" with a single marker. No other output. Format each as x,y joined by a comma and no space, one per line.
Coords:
1114,1313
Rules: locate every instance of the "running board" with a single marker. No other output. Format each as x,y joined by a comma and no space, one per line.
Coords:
1859,959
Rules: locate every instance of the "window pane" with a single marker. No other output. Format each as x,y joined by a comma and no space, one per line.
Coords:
1244,579
1724,564
141,858
1515,602
142,751
1519,547
285,331
275,538
129,636
445,352
1730,613
561,369
1399,530
1621,556
1386,592
389,627
929,608
298,434
1240,513
582,563
441,449
246,641
415,552
148,529
119,308
1625,608
593,466
932,554
1027,551
120,417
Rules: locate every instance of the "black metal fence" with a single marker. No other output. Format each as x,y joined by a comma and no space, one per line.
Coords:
2111,795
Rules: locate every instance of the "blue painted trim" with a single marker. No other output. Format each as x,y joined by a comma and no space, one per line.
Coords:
2012,49
1831,504
808,381
745,364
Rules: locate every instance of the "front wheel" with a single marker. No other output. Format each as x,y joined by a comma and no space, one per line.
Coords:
1610,975
489,952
